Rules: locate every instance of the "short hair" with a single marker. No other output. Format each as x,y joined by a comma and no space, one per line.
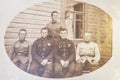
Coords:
44,29
22,30
63,29
53,12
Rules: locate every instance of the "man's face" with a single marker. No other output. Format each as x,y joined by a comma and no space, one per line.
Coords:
44,33
63,34
87,36
54,17
22,35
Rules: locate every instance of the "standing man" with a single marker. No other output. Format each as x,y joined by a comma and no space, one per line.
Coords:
87,53
20,52
54,26
65,56
42,55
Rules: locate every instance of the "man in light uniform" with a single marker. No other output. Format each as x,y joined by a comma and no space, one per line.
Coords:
20,52
87,53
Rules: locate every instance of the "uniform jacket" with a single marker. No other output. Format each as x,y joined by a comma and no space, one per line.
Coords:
20,51
65,50
88,51
53,28
42,48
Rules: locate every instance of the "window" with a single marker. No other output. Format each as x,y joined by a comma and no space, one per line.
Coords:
78,20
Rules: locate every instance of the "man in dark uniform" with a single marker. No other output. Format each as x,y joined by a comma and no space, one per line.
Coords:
65,56
20,52
42,55
54,26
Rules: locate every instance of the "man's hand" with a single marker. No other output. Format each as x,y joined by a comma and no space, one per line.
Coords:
93,62
66,63
44,62
80,60
15,60
23,59
83,59
62,62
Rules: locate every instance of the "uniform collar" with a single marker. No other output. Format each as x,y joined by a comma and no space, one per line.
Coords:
64,39
21,41
43,38
54,22
87,42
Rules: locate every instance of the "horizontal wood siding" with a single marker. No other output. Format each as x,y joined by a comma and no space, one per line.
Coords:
32,19
99,23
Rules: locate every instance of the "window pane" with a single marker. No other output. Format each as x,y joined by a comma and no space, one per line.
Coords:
79,17
78,7
79,29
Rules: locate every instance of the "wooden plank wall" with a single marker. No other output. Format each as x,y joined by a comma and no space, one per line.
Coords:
99,23
32,19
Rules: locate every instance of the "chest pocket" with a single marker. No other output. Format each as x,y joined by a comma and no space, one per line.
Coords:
92,49
21,48
82,49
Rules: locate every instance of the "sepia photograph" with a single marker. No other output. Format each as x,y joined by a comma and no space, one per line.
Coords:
60,39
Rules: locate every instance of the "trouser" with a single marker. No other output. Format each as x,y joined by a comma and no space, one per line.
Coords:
21,65
86,65
78,69
89,67
61,72
81,67
40,70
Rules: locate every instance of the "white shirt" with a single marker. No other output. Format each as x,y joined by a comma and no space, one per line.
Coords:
88,51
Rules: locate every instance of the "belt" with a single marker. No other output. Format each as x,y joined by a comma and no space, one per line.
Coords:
88,55
21,54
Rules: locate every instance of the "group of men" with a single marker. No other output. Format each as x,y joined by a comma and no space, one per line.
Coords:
53,55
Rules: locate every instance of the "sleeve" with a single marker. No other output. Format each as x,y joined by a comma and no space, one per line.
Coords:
72,52
78,52
46,26
30,55
35,55
97,53
11,52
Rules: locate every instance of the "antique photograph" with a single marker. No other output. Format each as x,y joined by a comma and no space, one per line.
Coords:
60,39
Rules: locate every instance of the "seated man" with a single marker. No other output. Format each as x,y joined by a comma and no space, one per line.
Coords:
64,56
87,53
20,52
42,55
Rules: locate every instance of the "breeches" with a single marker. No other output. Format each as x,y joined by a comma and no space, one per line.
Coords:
21,65
84,68
64,72
78,69
40,70
90,67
